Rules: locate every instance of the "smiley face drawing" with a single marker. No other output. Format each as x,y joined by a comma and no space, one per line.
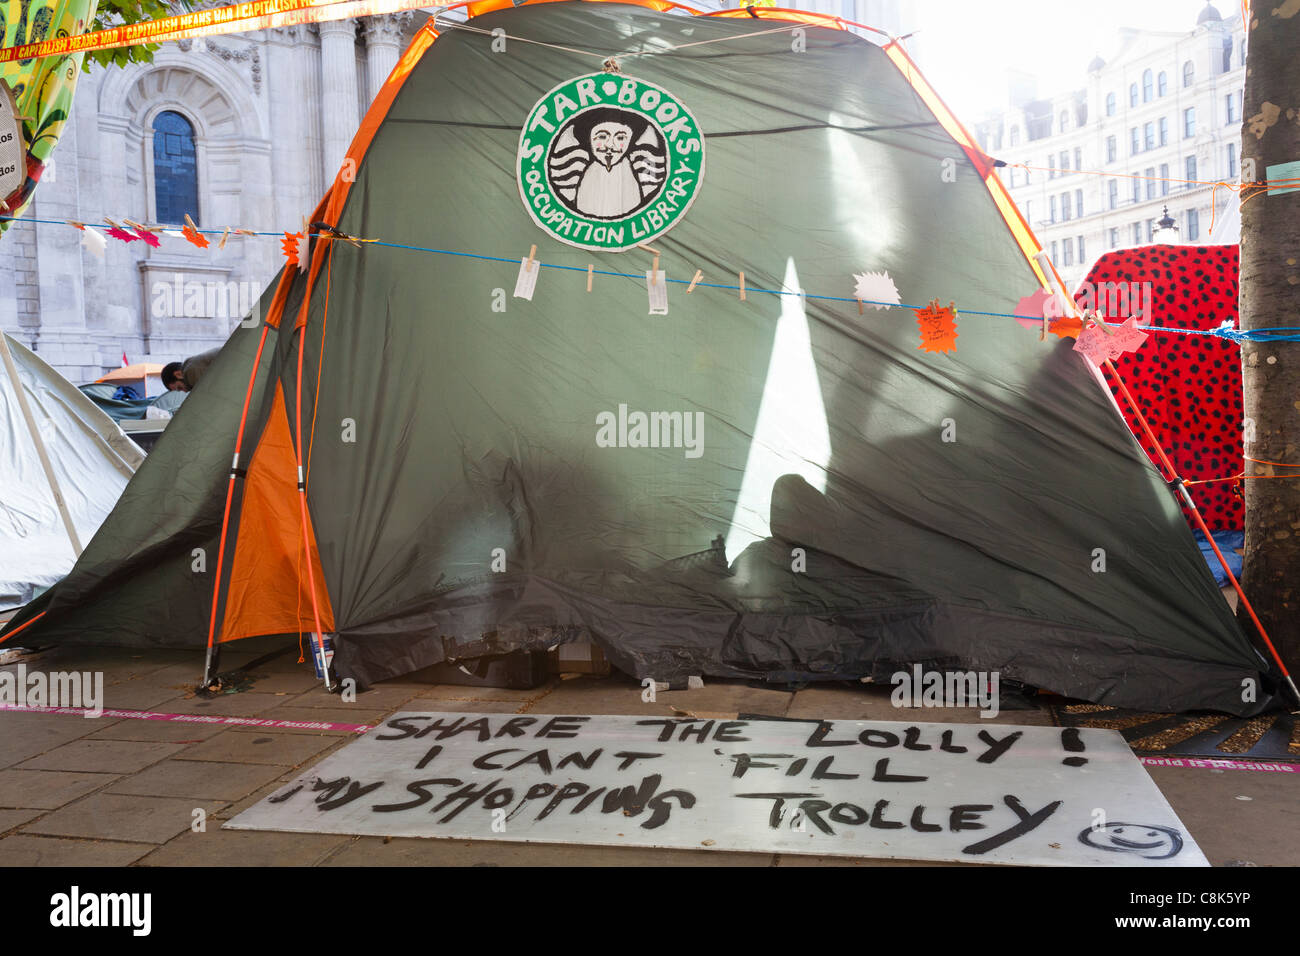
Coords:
1149,842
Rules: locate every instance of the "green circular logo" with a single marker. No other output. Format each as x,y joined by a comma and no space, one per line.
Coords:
607,162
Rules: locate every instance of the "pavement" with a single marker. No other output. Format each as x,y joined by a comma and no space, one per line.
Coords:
127,792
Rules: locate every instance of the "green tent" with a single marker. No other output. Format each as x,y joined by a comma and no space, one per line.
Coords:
770,484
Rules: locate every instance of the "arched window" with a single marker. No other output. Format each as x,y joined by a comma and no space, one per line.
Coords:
175,169
1015,136
1110,104
1133,94
1147,86
1189,73
1162,84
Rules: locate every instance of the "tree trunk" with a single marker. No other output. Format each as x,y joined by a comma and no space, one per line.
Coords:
1270,299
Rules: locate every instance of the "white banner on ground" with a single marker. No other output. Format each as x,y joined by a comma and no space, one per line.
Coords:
955,792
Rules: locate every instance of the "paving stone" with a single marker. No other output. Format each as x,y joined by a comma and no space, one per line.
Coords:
178,732
456,692
451,706
218,847
103,756
47,789
1264,829
140,693
403,851
249,704
204,780
597,695
23,849
277,749
292,684
385,697
111,816
9,819
23,736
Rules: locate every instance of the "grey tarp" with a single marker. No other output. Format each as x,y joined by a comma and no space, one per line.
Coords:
446,429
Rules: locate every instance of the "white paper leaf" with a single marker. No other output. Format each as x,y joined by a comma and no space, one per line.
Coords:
875,289
93,241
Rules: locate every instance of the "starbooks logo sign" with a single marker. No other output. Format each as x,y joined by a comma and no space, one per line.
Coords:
607,162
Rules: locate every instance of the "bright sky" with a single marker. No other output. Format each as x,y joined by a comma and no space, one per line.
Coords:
966,46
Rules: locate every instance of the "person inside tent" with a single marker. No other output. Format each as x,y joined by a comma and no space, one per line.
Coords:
173,378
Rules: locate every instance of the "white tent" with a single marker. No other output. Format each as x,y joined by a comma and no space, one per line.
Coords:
63,464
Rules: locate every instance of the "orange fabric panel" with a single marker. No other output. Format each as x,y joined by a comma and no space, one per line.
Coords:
267,592
781,13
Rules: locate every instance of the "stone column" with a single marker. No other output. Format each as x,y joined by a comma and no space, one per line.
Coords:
338,48
383,48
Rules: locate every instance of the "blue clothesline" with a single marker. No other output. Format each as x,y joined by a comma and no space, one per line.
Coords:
1287,334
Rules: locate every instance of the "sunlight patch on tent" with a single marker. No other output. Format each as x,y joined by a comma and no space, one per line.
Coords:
790,434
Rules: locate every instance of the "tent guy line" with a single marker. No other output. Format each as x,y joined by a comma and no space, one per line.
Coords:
1284,334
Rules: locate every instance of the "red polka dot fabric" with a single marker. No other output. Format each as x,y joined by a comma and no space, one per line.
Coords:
1188,386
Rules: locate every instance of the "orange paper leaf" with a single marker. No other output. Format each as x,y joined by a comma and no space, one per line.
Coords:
192,234
290,246
938,327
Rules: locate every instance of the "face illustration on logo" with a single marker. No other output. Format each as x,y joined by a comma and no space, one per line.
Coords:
608,162
1149,842
609,142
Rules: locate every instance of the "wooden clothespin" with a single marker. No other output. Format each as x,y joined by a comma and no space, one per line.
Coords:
591,266
691,288
190,222
224,236
860,312
532,251
742,287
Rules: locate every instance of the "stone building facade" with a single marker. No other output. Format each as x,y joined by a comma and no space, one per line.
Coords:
1166,106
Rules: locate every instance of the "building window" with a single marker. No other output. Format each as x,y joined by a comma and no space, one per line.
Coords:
1051,167
1015,136
1137,233
1150,230
1065,207
1150,174
1148,135
1227,55
1230,101
1189,122
1065,162
1079,241
1051,200
1110,149
1078,159
1162,84
1137,190
1114,238
1069,251
1243,52
175,169
1054,250
1189,74
1133,95
1189,168
1133,141
1164,179
1112,194
1013,177
1078,203
1110,104
1193,226
1147,86
1232,160
1164,130
1065,120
